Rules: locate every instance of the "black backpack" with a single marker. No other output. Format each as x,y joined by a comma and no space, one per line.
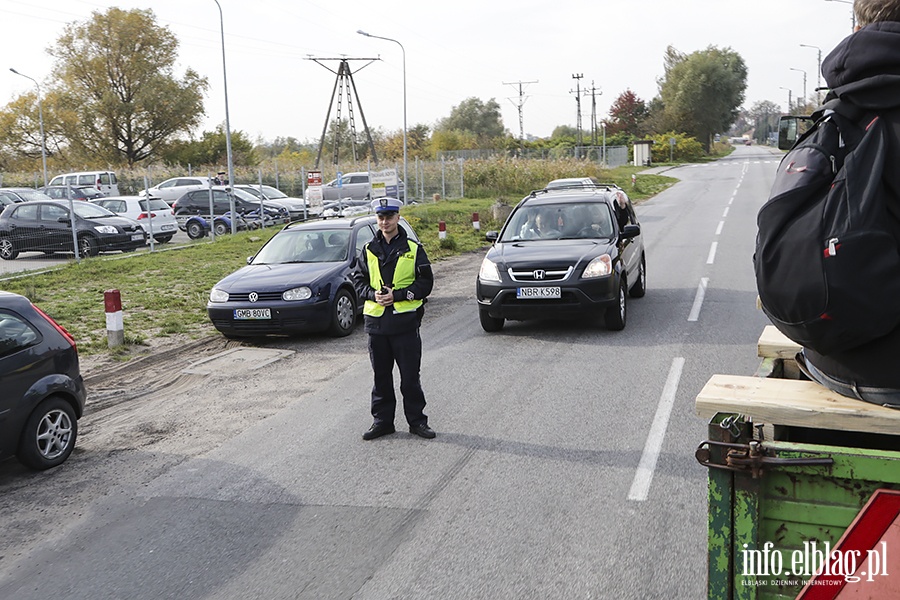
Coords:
827,264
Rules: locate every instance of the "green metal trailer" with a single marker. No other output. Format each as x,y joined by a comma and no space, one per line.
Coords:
791,465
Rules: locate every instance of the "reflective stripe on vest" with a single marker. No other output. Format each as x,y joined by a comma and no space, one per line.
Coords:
404,276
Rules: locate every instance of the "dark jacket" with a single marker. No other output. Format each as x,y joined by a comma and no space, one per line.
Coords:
390,322
864,69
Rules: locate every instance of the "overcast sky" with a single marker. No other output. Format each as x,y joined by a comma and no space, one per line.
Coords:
454,50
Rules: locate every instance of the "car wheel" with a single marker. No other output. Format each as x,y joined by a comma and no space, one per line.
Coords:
49,435
164,239
640,286
221,228
489,323
343,314
195,230
615,315
87,246
7,250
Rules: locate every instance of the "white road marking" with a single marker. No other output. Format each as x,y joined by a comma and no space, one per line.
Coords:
719,228
640,486
725,214
698,299
712,253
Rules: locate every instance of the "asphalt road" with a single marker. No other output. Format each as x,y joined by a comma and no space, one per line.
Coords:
563,466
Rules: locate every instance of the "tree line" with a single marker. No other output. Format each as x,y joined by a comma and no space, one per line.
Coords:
114,99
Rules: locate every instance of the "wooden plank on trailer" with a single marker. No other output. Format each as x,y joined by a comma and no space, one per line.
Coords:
774,344
793,402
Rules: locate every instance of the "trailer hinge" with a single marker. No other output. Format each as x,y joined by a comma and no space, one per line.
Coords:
751,457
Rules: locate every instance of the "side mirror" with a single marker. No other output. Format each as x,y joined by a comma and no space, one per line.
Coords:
790,128
250,259
630,231
65,220
491,236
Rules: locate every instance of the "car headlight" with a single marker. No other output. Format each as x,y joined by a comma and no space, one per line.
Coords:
489,271
106,229
300,293
599,267
217,295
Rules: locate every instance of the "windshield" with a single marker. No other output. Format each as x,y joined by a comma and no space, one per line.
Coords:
155,204
33,194
272,193
311,245
580,220
91,211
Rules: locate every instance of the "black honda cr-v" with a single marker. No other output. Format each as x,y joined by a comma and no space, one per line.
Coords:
566,252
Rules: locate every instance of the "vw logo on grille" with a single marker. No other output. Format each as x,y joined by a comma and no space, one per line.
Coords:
253,297
540,274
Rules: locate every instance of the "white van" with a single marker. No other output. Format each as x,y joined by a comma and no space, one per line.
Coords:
104,181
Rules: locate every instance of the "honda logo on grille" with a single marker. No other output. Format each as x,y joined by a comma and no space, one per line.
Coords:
254,297
540,274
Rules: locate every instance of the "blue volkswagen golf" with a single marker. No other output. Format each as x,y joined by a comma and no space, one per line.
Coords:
298,282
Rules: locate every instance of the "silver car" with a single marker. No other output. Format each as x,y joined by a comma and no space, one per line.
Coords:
354,186
171,190
296,207
152,214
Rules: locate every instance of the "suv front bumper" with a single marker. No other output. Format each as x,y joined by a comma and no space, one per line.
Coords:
576,298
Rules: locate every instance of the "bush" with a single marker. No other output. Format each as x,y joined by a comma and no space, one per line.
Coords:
686,148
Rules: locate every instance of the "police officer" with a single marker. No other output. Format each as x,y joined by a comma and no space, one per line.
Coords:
394,277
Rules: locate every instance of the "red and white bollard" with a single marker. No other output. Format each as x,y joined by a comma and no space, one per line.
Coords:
475,222
442,230
115,328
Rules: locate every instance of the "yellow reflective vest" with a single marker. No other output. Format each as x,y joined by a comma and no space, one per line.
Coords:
404,276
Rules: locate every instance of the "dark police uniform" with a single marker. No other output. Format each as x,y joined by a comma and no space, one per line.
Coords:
402,265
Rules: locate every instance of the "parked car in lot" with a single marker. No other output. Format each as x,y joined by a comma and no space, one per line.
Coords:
153,214
346,207
299,281
172,189
354,186
247,205
571,252
296,207
62,192
46,226
43,390
104,182
13,194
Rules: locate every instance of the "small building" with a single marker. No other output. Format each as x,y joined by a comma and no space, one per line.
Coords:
642,153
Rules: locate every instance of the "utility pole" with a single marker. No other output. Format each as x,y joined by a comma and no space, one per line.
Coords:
594,93
577,77
521,104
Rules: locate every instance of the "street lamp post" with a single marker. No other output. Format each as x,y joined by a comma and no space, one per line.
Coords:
804,84
852,12
227,121
818,72
789,98
41,119
403,50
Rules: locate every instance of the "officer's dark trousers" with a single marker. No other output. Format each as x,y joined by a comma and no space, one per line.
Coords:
406,350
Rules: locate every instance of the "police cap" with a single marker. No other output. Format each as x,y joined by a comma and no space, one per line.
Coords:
386,205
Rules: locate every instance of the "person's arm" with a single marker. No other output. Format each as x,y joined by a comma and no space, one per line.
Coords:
360,278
